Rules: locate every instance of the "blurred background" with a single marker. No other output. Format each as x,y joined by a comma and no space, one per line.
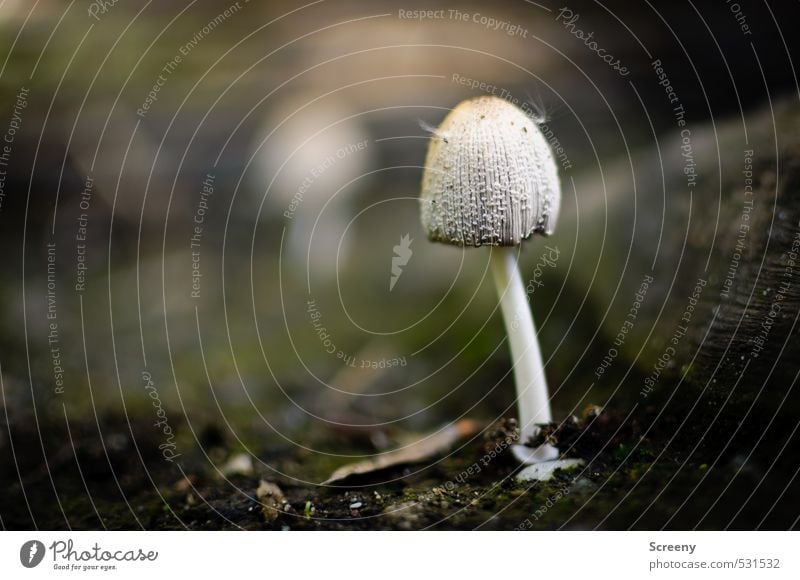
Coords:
202,201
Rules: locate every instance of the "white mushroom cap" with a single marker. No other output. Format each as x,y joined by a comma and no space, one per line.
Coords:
490,178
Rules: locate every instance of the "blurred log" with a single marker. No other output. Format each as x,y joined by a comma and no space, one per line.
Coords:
718,244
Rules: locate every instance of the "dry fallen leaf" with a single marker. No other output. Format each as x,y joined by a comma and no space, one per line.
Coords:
424,448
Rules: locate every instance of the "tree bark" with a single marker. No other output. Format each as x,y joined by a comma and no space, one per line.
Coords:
711,218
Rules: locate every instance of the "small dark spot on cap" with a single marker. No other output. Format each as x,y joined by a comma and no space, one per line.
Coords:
525,129
483,116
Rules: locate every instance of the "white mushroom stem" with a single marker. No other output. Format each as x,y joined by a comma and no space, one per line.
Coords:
533,401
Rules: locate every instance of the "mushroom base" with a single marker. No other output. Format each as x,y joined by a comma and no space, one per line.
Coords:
531,455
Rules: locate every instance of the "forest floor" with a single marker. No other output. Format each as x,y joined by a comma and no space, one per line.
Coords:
637,475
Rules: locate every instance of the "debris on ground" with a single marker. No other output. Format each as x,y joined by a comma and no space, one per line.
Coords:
544,471
238,464
271,498
422,449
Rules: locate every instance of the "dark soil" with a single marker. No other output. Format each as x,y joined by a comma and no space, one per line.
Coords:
638,476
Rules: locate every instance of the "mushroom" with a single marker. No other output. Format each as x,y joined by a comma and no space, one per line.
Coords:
490,180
